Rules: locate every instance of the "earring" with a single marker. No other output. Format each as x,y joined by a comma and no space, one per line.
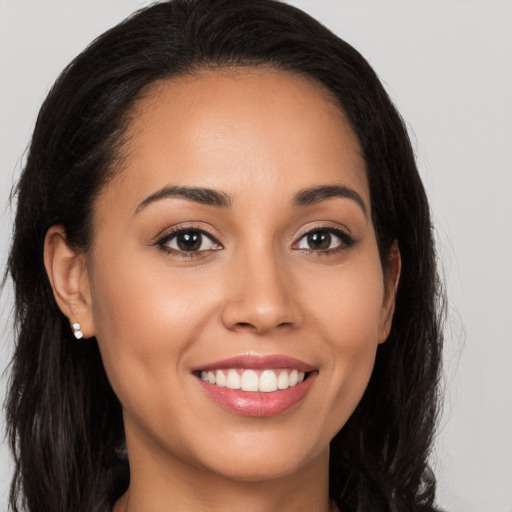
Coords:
77,332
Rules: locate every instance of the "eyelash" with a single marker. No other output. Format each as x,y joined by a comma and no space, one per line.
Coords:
346,241
164,241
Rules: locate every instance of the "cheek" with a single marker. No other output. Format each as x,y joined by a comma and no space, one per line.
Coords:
144,322
348,303
347,313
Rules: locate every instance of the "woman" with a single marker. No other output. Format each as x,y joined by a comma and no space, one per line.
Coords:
226,289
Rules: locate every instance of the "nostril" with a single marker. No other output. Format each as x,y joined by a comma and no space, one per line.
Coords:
245,325
248,326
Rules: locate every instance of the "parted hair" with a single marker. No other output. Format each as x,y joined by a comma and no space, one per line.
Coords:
64,421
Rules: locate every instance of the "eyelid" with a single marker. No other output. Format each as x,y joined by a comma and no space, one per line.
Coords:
163,239
322,226
184,226
340,231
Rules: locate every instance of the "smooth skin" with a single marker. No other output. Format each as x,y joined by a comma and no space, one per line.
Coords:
268,274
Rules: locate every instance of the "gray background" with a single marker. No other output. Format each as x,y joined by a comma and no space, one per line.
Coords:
447,65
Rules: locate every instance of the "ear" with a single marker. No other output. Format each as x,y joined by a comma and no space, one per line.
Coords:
69,279
392,270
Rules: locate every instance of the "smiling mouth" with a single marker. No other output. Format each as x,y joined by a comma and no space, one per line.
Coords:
257,386
262,380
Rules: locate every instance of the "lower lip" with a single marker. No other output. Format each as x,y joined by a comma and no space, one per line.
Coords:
256,403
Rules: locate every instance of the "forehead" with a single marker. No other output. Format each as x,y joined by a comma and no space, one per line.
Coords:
239,130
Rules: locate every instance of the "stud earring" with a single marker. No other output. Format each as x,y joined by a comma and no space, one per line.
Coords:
77,332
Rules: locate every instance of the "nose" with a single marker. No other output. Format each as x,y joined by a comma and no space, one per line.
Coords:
259,296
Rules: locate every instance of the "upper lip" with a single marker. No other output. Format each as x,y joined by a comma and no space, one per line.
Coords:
254,362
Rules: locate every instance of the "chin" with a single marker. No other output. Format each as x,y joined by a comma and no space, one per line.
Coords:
258,471
262,458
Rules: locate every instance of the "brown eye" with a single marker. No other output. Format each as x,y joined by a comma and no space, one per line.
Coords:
324,240
190,241
321,240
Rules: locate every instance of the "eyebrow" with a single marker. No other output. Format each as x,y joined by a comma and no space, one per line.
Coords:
309,196
211,197
206,196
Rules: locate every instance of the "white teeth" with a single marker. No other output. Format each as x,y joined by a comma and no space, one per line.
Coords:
220,378
264,381
283,381
268,381
250,380
233,380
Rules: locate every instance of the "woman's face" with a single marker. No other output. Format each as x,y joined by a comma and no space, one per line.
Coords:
235,248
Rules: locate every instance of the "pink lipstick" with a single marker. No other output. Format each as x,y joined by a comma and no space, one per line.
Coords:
256,386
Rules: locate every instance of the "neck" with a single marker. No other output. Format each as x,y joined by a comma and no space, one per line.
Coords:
162,482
